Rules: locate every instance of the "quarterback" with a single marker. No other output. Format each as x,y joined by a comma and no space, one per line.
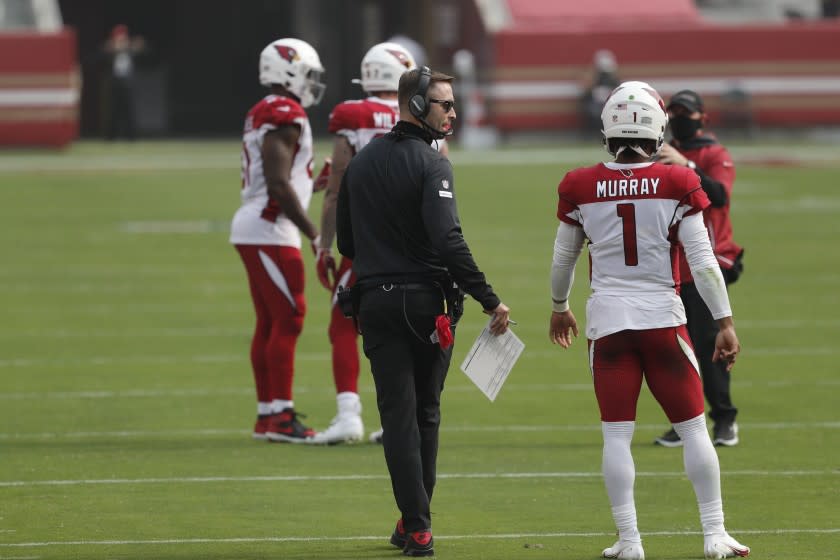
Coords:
635,320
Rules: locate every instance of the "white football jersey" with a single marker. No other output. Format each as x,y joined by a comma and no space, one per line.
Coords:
259,220
630,214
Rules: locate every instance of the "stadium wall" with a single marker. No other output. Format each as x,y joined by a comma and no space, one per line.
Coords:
39,88
790,74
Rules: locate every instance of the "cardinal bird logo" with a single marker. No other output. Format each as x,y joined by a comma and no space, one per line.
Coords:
401,57
287,53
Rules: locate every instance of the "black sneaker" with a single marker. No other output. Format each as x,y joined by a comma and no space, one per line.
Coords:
419,543
398,536
669,439
725,433
285,426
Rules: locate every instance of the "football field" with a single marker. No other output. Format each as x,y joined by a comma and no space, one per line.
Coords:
126,397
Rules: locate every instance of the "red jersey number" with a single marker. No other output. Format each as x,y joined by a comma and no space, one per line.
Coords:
627,213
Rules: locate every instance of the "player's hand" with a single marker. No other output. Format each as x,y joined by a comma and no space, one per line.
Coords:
315,244
325,266
499,323
727,347
562,326
669,155
320,182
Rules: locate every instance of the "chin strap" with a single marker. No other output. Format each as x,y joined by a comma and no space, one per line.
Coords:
636,149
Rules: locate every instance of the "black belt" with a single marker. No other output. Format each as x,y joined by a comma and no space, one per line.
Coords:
404,286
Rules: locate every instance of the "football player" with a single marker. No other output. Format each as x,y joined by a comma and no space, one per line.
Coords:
633,212
267,227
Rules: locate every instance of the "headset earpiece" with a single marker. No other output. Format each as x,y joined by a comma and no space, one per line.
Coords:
418,104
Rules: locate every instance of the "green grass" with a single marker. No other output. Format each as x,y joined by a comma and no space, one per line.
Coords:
126,398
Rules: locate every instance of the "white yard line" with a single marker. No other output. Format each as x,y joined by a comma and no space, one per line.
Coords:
323,389
205,332
112,434
204,392
781,351
359,477
226,157
351,538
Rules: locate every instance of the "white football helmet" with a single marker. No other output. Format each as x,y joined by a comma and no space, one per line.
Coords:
634,110
382,67
295,65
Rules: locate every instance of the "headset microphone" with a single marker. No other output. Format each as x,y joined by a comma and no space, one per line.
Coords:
419,105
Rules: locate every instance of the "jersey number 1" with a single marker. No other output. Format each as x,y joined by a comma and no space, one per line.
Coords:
627,213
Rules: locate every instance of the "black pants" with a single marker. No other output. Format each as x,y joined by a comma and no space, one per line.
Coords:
122,118
703,329
409,372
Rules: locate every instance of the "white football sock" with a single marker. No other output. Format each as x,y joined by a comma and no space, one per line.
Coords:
348,403
619,477
711,517
703,470
279,405
263,408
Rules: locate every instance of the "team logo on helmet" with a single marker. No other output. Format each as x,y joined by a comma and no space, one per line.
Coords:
399,55
287,53
653,93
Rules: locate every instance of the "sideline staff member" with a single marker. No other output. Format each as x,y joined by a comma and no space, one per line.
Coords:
397,220
698,149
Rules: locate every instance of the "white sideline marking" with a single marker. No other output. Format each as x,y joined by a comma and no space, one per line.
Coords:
204,332
746,353
223,156
202,392
174,226
324,356
445,429
164,332
109,360
345,477
498,536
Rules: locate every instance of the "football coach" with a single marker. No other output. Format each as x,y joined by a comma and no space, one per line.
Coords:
397,219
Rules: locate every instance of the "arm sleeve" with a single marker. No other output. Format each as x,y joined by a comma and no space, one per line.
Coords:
440,216
567,248
704,267
715,190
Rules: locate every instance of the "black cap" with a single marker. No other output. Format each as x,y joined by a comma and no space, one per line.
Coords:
688,99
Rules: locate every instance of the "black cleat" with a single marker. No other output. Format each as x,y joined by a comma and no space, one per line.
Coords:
398,536
419,543
286,427
669,439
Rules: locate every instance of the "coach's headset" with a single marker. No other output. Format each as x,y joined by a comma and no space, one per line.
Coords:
419,105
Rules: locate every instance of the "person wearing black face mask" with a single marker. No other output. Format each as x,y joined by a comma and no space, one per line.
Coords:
698,149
